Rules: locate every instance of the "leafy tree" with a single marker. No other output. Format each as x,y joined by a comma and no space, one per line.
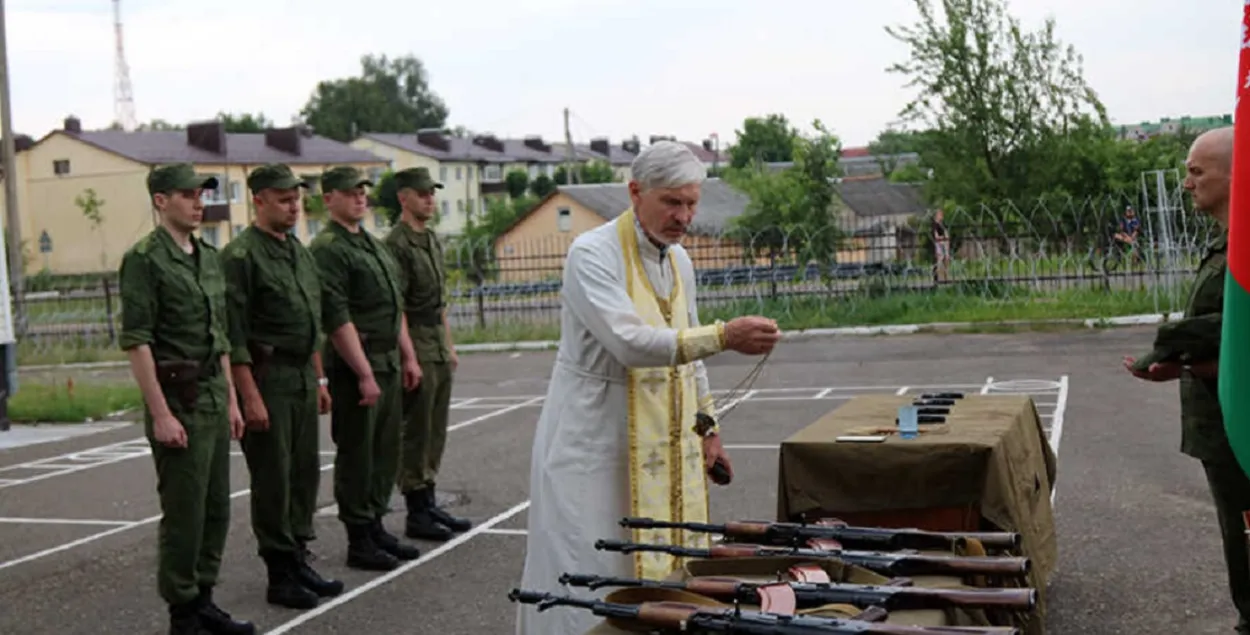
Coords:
517,182
891,143
594,171
91,205
245,122
542,186
995,100
390,95
764,139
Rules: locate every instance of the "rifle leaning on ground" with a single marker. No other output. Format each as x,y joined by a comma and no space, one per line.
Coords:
888,563
679,617
811,595
794,534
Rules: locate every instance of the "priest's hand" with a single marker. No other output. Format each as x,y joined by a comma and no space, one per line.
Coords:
713,451
751,335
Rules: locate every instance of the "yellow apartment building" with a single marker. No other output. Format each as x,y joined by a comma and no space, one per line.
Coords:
472,169
70,168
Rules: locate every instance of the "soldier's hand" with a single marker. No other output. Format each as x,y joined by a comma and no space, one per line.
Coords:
255,414
1159,371
412,375
751,335
169,432
323,400
369,391
236,423
455,360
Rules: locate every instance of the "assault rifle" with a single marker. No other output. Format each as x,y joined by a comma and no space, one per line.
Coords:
888,563
810,595
680,617
794,535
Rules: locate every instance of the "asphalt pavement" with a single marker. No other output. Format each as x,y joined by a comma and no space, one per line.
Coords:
1138,542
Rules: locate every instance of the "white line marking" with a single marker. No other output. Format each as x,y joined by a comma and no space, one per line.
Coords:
62,521
903,390
77,461
828,398
105,534
1056,427
505,532
989,381
755,446
466,403
395,573
821,394
465,424
733,403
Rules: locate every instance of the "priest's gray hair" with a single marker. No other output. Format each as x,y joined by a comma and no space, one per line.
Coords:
667,164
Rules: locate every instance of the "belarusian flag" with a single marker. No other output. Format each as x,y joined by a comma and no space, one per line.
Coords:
1234,379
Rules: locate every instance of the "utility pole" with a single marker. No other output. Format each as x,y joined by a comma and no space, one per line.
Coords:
568,142
14,315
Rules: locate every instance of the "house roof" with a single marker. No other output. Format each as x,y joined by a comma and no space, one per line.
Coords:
718,202
460,149
171,146
876,196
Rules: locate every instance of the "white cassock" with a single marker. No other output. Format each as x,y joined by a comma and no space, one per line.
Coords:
615,437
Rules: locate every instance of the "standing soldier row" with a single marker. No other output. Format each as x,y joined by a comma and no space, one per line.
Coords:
230,345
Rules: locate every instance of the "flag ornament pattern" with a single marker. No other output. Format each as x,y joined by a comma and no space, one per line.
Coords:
1234,368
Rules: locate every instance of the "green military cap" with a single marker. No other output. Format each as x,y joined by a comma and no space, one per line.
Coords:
274,175
178,176
343,177
418,179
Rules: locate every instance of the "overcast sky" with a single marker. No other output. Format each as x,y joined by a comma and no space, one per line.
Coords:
686,68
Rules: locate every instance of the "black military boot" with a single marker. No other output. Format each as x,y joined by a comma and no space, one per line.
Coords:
310,578
440,515
217,621
185,620
285,588
420,522
391,544
363,551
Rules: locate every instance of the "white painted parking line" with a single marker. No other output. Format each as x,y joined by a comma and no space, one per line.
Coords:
75,461
62,521
1056,426
989,381
822,393
464,424
505,532
902,391
356,592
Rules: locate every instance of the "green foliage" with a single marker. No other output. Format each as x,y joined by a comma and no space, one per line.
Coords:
517,182
245,122
90,204
390,95
475,247
791,213
385,197
767,139
595,171
542,186
891,143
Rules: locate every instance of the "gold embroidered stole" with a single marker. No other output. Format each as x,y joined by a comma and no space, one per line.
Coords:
666,470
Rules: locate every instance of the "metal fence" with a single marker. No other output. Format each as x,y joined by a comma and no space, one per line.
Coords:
1052,258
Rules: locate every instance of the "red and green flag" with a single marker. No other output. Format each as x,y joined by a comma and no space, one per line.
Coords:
1234,378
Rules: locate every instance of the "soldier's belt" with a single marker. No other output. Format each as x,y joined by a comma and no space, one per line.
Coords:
424,319
373,346
182,377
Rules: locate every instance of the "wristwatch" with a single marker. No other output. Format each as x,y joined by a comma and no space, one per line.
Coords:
704,425
323,382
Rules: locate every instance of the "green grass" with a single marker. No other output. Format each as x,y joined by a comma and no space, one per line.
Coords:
48,402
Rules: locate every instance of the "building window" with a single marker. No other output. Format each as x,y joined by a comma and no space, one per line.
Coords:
209,234
375,174
460,205
442,173
458,177
238,229
379,220
446,207
534,170
313,181
236,191
314,226
469,205
492,173
60,166
217,196
564,219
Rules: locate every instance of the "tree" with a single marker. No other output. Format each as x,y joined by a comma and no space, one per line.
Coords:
517,182
90,204
245,122
542,186
995,99
594,171
891,143
768,139
390,95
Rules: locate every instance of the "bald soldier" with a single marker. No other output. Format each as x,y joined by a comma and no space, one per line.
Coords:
273,296
369,363
1203,437
422,282
174,332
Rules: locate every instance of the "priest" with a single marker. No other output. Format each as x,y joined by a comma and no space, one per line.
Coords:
617,434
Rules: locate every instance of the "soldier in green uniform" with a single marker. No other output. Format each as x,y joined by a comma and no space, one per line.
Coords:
426,409
273,298
1202,423
174,332
368,362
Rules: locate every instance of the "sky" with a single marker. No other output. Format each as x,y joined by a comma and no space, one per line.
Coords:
622,68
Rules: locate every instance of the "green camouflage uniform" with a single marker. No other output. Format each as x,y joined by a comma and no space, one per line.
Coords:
174,303
273,298
360,285
1203,436
426,409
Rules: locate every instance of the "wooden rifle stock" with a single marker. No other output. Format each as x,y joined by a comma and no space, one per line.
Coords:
894,564
683,617
794,534
811,595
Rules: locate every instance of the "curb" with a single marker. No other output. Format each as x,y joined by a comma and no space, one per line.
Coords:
844,331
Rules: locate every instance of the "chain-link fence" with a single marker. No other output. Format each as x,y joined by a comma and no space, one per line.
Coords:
1055,258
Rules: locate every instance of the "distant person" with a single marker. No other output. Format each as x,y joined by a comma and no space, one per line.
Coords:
174,332
618,434
941,247
1128,230
1202,422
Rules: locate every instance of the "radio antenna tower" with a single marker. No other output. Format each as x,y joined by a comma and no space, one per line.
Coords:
123,94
